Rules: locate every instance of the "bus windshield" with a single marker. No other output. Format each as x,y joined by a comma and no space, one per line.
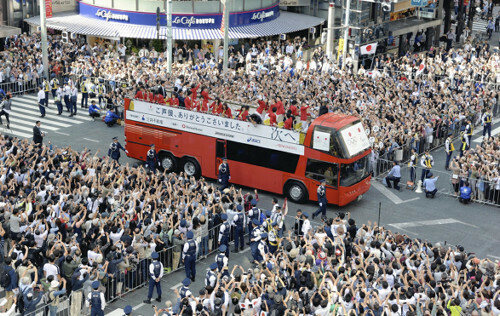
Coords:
345,143
353,173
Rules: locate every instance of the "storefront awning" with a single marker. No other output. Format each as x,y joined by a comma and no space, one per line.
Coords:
287,22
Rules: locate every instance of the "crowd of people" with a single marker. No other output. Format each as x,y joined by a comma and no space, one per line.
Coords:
78,224
274,78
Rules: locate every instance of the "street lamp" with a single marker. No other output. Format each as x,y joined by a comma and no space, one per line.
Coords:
346,32
43,31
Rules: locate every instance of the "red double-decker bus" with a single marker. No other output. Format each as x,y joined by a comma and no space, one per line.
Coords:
335,148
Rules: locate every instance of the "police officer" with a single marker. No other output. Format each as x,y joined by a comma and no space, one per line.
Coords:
67,96
224,174
46,89
152,159
58,97
239,224
448,148
73,100
268,222
211,277
321,200
184,291
96,300
463,146
54,84
221,258
224,231
254,239
127,310
189,252
427,162
101,91
114,150
273,237
487,118
412,164
253,213
155,275
41,101
85,93
299,221
263,248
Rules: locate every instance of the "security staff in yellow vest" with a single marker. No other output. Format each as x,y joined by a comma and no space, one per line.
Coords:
46,89
54,84
487,118
427,162
463,146
85,93
412,164
448,148
273,237
101,91
468,133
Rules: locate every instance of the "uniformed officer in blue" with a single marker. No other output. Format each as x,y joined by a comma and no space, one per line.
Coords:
253,213
263,248
254,240
96,300
221,259
224,232
487,118
114,150
152,159
185,291
155,275
127,310
189,252
85,93
224,174
211,277
321,200
239,231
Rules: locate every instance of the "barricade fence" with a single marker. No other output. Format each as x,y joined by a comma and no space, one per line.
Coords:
20,87
484,190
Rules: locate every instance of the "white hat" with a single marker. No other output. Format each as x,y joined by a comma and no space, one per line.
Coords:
3,301
54,284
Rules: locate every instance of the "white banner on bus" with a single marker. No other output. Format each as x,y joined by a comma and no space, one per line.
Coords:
321,141
215,130
355,139
220,123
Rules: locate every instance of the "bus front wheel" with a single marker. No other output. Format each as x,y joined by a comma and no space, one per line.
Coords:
296,192
168,162
191,167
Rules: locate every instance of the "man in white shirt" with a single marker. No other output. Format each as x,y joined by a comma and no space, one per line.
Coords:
41,101
306,226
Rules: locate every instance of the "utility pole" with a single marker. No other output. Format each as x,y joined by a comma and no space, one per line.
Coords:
346,31
329,31
168,4
225,18
460,20
45,52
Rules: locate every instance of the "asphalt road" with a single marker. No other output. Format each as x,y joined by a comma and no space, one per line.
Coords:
441,219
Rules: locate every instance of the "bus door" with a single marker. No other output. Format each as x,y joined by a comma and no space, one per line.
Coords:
220,152
319,170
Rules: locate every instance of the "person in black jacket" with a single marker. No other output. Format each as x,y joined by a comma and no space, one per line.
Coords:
37,133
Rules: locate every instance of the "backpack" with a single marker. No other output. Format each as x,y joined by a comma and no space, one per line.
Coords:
20,301
4,278
262,217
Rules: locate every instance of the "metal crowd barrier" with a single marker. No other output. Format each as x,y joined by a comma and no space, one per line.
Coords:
20,87
137,275
63,309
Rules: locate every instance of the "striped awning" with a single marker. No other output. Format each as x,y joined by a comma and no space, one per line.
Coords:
287,22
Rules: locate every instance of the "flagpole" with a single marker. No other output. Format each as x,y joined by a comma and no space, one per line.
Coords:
43,31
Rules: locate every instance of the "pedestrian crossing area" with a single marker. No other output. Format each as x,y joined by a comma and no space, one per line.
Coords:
479,25
25,113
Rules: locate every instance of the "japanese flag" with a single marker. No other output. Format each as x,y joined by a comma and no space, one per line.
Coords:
285,207
421,68
368,49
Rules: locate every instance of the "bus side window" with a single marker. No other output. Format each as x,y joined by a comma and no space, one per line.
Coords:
319,170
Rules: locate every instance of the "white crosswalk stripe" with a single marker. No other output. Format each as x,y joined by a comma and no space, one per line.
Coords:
25,113
479,25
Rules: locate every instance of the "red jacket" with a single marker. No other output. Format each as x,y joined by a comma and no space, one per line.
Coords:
159,99
288,123
262,107
188,103
194,91
139,95
303,112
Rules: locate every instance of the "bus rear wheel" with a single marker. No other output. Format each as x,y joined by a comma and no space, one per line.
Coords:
168,162
296,192
191,167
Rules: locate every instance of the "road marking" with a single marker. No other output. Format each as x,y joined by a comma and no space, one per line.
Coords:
91,140
138,306
16,133
389,194
61,133
176,286
245,250
494,257
430,223
480,138
116,312
30,124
